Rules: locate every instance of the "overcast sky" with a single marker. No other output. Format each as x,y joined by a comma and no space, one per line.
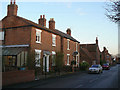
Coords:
87,20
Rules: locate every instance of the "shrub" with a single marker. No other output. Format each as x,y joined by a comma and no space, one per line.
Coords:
84,65
73,62
59,61
67,68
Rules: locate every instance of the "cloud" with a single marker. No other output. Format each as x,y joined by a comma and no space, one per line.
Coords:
80,12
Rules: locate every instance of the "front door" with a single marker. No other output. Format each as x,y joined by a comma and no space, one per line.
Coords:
46,63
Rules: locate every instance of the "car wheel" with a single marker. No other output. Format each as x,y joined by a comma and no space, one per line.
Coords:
99,72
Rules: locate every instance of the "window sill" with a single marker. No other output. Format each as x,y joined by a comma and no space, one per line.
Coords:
53,45
38,42
68,49
68,64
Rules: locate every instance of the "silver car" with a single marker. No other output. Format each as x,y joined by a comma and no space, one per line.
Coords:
95,69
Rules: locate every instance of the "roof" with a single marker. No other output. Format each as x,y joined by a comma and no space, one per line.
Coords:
11,51
85,51
89,47
55,31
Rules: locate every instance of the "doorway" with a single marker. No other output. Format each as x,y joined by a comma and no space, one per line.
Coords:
46,63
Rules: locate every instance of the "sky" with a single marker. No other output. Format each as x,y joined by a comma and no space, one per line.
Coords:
86,20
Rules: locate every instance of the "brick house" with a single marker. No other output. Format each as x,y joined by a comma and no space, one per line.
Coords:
106,56
85,56
92,52
21,37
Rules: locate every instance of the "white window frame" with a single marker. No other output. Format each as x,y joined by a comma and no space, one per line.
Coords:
37,59
68,44
38,33
68,59
1,35
53,53
53,40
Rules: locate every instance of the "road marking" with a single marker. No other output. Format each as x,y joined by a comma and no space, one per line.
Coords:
93,80
78,86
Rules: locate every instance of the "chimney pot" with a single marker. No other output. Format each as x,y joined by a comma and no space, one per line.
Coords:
40,16
43,16
68,31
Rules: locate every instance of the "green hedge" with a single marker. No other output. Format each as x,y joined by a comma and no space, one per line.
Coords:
84,65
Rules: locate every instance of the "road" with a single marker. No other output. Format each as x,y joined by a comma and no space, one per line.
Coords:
107,79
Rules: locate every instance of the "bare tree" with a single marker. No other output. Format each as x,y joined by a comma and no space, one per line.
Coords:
113,10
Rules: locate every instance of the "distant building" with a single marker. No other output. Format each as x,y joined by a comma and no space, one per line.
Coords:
106,56
92,52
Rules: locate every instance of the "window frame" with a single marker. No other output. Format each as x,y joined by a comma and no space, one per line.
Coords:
38,34
53,53
1,35
68,60
68,44
38,52
53,40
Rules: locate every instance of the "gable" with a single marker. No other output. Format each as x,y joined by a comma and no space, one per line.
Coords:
12,21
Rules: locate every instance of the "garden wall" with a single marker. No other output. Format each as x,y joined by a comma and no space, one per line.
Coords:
13,77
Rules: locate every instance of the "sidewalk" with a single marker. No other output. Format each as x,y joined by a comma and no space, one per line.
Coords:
42,80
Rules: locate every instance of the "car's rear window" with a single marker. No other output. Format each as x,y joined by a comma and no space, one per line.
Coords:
105,64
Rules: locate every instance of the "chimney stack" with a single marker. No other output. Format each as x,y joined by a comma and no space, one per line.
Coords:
97,40
104,48
12,8
68,31
51,24
42,21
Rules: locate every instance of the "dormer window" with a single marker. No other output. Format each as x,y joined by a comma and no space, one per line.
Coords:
38,36
68,44
53,40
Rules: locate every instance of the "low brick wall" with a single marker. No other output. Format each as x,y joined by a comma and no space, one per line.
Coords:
14,77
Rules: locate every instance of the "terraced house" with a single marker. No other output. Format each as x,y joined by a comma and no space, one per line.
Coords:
22,37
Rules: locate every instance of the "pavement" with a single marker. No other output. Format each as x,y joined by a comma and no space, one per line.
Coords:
42,79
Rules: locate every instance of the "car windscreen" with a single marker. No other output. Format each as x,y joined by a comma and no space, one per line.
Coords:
95,66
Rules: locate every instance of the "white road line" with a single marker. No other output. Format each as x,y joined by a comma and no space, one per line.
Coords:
78,86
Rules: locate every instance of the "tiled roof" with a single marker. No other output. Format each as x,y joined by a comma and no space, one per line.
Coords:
55,31
89,47
85,51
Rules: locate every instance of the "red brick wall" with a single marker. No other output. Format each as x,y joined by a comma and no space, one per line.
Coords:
46,41
72,49
18,36
14,77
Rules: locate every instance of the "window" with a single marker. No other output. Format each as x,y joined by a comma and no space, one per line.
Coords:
38,36
68,58
53,40
68,44
1,35
37,57
53,58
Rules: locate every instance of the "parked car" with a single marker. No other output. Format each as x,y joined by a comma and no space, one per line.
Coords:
95,69
105,66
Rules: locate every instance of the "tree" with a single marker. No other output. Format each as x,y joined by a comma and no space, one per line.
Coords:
59,61
113,10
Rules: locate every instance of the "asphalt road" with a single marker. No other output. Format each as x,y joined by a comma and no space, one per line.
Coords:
107,79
